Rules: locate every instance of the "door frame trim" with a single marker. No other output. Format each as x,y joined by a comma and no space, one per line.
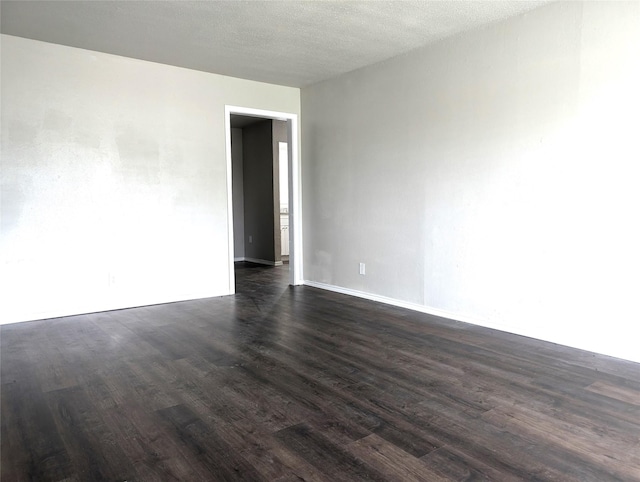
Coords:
295,189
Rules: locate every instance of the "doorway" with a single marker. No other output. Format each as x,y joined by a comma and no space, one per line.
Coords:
292,204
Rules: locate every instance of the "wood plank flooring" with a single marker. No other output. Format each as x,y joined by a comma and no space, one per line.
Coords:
291,384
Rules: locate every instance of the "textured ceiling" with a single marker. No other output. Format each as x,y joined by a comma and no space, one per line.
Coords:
293,43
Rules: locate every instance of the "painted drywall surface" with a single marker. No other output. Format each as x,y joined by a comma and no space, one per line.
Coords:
492,176
258,191
238,193
113,179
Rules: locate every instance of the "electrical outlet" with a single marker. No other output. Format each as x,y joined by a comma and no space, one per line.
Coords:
250,239
362,269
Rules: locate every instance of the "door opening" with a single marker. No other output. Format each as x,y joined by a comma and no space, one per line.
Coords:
263,190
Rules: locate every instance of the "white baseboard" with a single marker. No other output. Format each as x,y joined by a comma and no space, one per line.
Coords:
262,261
395,302
528,332
15,317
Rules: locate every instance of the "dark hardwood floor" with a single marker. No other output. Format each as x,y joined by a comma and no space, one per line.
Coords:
281,383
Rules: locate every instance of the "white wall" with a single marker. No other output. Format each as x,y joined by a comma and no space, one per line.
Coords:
492,177
113,179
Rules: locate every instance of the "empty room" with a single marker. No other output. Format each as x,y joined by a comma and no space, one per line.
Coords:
319,240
